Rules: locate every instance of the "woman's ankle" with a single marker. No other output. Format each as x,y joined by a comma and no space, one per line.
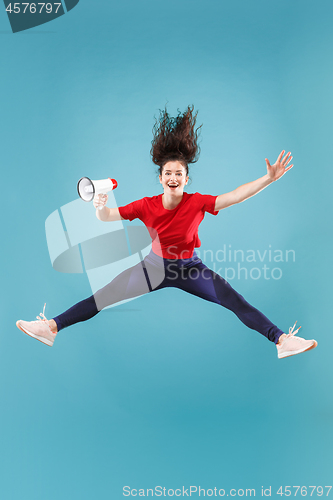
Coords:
53,326
281,338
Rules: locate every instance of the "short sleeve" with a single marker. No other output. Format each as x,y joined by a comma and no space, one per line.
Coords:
208,203
131,211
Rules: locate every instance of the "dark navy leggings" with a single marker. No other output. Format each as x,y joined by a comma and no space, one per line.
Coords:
155,273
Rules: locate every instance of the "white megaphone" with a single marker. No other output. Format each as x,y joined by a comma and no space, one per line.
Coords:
88,189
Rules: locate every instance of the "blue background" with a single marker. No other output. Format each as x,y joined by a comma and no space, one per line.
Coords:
167,390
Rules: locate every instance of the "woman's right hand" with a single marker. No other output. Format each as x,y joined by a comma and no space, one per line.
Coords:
100,201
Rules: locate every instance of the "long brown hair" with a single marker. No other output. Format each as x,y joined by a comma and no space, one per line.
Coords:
175,139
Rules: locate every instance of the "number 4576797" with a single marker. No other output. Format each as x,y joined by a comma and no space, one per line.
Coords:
304,490
32,7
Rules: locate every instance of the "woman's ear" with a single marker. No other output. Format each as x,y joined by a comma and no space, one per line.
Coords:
186,180
160,178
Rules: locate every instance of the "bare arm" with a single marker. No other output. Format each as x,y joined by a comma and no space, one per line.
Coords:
242,193
106,214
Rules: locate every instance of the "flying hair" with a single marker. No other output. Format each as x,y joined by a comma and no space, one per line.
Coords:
175,138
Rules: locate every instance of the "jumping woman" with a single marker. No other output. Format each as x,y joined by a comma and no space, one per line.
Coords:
172,219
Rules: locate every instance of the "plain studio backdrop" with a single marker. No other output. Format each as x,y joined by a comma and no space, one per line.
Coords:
168,390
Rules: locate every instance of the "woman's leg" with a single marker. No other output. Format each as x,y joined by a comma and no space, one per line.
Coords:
129,284
201,281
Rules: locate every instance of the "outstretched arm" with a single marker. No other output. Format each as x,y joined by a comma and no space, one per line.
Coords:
242,193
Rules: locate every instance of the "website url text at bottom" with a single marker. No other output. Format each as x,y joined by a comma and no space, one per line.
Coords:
159,491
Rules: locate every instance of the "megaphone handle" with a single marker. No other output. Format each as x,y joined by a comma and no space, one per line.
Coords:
101,208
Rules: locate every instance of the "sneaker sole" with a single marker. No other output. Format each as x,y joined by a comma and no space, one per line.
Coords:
41,339
292,353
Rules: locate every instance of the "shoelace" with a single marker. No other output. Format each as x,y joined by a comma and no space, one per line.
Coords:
42,318
292,332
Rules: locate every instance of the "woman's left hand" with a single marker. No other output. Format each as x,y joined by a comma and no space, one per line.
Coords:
280,167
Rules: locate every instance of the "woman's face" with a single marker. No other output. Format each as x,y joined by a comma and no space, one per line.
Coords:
173,178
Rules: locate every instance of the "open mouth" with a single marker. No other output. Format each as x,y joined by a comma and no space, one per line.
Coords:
173,186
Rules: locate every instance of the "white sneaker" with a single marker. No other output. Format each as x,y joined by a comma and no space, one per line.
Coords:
39,330
292,345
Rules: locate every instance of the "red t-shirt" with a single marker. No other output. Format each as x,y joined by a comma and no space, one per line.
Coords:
174,232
